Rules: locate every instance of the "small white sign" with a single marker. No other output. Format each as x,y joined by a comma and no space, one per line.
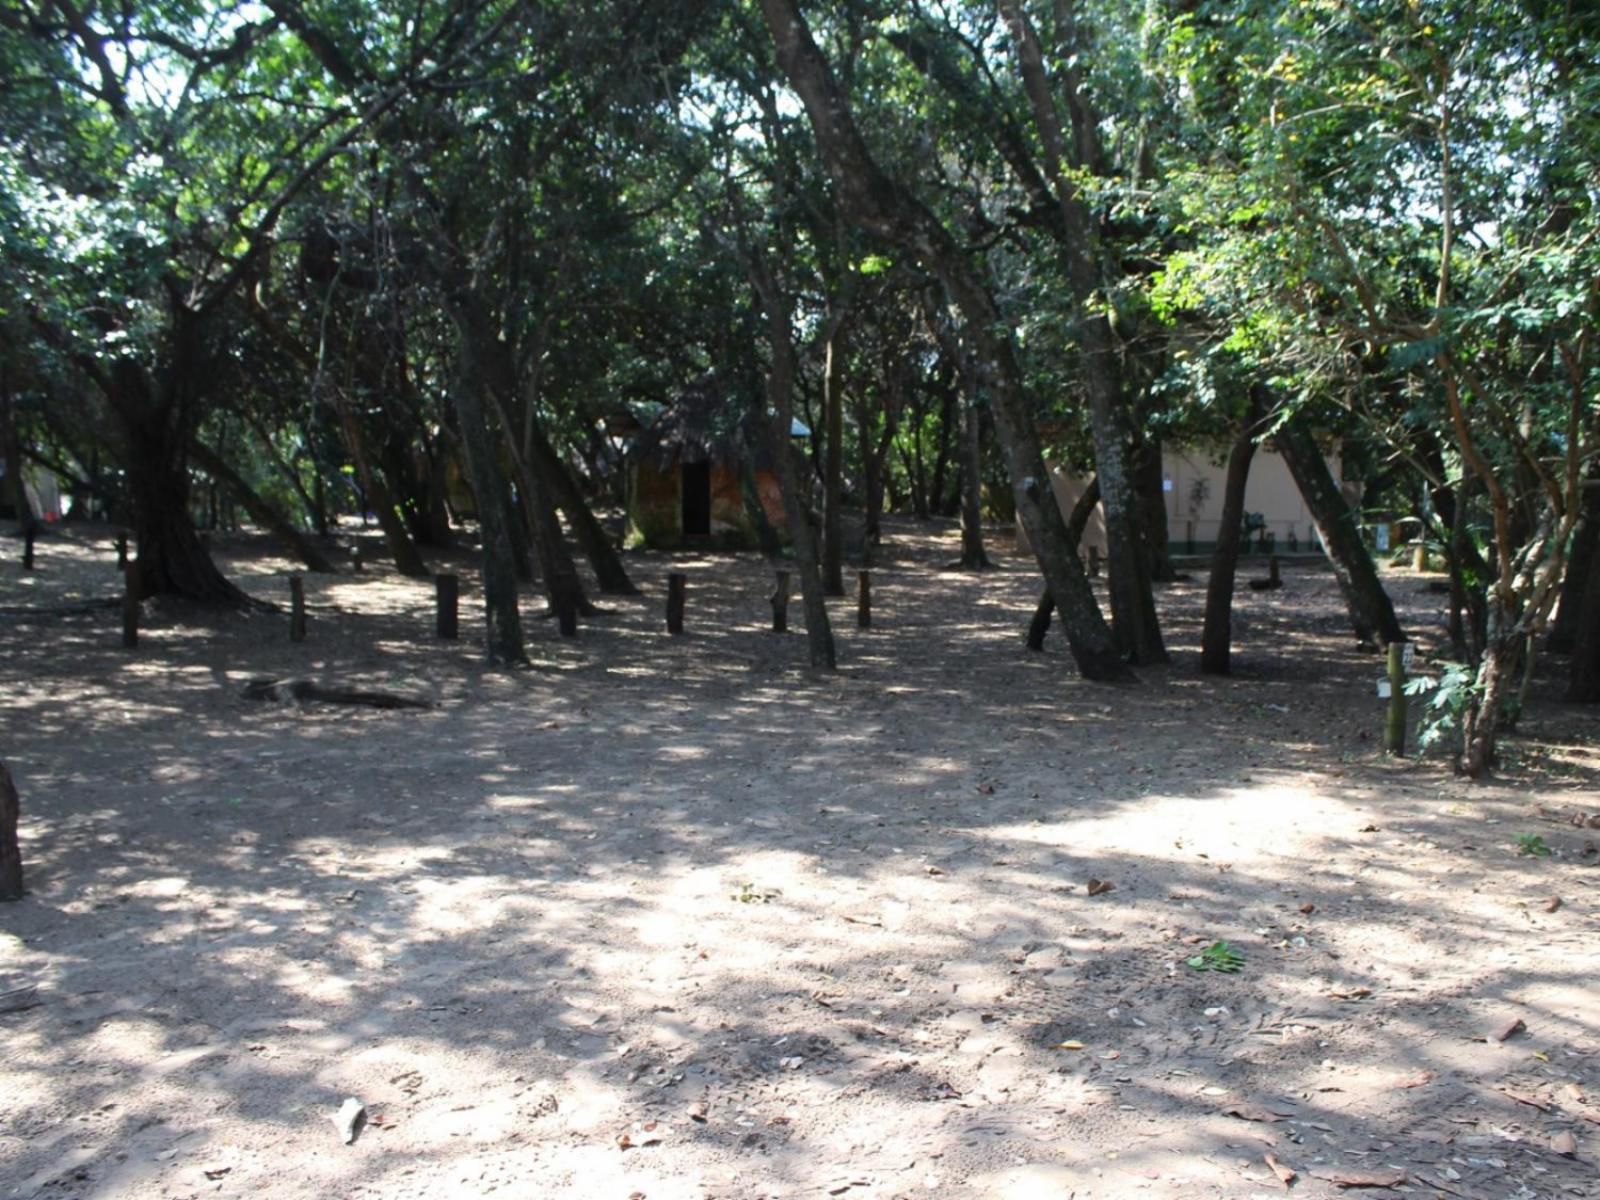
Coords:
1380,534
1166,485
1407,654
1383,689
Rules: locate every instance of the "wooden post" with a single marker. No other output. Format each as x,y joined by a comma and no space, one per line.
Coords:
566,607
10,851
1394,728
1419,556
446,603
1094,561
864,601
677,585
130,607
27,548
780,604
122,551
297,609
1272,572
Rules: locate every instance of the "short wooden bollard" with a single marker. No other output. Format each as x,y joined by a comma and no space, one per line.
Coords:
1094,562
780,604
122,552
297,609
864,600
447,604
355,559
677,587
130,608
1273,577
1419,557
27,550
566,606
1394,728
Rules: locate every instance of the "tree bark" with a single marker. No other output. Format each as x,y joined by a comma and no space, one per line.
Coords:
261,511
375,492
10,850
1371,612
1216,639
879,205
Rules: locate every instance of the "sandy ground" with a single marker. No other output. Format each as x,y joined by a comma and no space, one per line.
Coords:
673,917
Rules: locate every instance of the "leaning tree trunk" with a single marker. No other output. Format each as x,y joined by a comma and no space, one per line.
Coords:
878,204
1371,612
261,511
1076,524
609,572
1494,682
407,558
10,849
1216,639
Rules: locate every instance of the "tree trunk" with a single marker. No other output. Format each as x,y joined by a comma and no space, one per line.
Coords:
503,642
1150,488
1133,611
833,461
1575,587
609,572
261,511
1497,670
781,374
407,558
884,208
171,558
1076,524
10,849
11,443
973,555
1371,613
1583,683
1216,640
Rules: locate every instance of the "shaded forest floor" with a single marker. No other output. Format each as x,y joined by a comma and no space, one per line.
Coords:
672,917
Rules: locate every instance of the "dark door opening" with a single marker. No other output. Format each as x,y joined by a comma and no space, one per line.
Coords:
697,499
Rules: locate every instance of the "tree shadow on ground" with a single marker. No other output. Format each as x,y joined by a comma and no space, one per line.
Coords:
785,934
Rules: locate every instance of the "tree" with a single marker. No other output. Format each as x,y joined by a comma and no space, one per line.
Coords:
888,210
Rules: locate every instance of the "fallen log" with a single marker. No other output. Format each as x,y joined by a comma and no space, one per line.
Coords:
304,690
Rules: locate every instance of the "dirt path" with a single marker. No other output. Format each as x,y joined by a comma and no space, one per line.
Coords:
673,918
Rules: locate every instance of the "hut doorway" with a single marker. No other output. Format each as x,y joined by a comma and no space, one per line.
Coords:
697,499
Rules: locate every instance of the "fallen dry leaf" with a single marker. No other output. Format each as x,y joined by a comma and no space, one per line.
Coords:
217,1172
1285,1173
1530,1100
1097,886
1420,1079
1553,903
1565,1144
697,1111
1368,829
1359,1179
1514,1026
1308,908
1070,1045
1355,993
